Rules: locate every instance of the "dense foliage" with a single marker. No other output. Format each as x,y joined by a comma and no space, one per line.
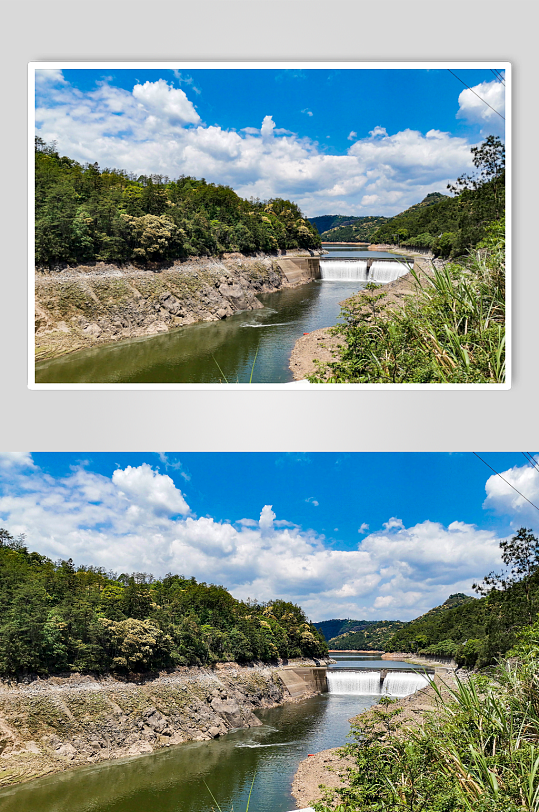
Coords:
85,214
56,617
450,226
477,752
340,228
452,330
360,635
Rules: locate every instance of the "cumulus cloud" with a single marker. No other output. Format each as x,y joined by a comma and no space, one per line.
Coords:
166,102
156,128
502,498
312,501
364,527
472,106
139,520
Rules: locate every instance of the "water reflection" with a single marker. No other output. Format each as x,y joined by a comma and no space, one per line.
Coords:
211,352
172,780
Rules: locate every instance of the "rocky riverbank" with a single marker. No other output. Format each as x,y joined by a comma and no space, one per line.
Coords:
321,345
50,725
329,768
83,306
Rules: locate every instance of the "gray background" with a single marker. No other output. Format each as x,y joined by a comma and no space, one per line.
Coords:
258,420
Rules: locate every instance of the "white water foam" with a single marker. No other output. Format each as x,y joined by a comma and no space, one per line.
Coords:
403,683
336,270
387,271
359,683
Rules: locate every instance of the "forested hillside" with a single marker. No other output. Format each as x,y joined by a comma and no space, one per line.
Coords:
56,617
86,214
360,635
477,631
449,226
340,228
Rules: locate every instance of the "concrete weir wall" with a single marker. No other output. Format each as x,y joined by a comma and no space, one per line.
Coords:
299,269
301,680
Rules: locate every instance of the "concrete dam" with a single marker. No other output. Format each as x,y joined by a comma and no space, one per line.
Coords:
390,682
304,269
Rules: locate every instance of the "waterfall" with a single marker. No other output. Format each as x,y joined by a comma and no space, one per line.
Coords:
386,271
402,683
346,269
353,682
338,269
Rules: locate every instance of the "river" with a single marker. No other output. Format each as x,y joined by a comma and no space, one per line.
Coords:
173,779
218,351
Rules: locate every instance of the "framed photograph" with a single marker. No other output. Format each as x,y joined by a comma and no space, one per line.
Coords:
269,225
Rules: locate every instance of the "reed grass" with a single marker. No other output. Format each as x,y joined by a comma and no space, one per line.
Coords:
478,751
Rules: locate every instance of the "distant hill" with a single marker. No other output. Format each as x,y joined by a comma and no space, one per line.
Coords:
369,635
342,228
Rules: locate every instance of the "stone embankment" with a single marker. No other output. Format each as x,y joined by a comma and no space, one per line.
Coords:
322,346
329,768
54,724
83,306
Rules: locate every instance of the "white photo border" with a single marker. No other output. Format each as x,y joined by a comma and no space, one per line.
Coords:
248,65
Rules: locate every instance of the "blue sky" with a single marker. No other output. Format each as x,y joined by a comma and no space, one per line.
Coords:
344,535
362,141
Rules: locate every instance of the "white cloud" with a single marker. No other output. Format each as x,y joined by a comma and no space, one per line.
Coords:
49,77
16,459
175,465
352,135
186,80
312,501
166,101
138,520
156,128
308,112
472,106
502,498
364,527
150,490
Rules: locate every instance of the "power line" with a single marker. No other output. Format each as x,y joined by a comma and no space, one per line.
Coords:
498,76
531,460
476,94
505,480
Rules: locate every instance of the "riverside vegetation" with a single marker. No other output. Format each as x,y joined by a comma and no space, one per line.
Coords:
452,330
55,617
85,214
447,226
478,750
473,631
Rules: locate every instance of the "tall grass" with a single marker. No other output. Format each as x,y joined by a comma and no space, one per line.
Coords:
478,751
451,330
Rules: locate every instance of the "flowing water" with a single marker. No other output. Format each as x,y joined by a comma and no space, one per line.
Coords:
172,780
220,351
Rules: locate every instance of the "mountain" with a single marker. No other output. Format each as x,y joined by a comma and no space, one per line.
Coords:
369,635
343,228
365,635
